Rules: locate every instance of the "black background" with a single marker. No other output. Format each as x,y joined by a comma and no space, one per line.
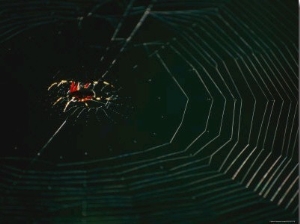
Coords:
139,169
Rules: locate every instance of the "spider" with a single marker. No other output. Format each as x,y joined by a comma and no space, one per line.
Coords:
81,92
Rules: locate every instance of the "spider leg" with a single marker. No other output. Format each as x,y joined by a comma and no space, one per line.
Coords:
75,110
53,84
80,112
112,97
107,104
106,114
57,83
62,82
108,84
67,104
59,99
110,101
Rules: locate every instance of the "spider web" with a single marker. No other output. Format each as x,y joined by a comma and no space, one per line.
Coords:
213,137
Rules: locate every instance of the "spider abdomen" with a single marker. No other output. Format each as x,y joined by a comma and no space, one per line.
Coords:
82,95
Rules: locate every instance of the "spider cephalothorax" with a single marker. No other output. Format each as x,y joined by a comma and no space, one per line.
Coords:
71,91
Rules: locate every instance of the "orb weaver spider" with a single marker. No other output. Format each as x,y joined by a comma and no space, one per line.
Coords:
72,91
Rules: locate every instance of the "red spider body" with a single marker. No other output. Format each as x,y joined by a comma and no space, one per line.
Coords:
81,92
